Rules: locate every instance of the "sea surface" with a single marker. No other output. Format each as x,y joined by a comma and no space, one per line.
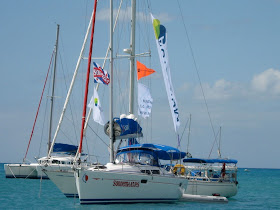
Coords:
258,189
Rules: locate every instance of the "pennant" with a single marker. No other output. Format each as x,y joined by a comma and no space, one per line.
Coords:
143,71
97,111
100,75
145,101
161,41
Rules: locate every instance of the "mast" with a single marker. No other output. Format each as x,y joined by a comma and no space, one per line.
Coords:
189,134
132,56
87,80
53,86
71,86
111,86
107,52
219,149
38,109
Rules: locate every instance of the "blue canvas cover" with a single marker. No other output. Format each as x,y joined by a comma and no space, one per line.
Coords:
124,128
159,151
128,126
201,160
65,148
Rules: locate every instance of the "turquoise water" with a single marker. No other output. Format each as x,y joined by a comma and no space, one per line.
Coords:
258,189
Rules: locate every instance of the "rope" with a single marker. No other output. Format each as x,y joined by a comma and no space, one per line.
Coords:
98,136
198,76
11,171
70,107
30,173
38,108
40,184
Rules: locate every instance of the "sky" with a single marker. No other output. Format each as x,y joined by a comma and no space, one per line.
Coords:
228,51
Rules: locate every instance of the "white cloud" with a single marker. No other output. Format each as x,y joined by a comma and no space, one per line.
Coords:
221,89
267,82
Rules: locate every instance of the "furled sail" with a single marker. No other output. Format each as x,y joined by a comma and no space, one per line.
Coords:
125,127
65,148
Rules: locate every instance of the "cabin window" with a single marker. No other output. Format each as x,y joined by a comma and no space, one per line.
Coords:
155,172
55,162
146,171
136,158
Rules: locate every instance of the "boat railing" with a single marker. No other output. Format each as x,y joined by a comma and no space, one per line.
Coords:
204,174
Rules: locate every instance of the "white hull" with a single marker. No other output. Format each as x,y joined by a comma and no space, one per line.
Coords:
54,163
101,186
27,171
40,173
65,181
225,189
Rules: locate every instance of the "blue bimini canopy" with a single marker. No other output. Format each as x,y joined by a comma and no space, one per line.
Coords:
199,160
159,151
65,148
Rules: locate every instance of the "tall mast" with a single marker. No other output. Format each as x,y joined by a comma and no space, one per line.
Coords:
132,56
111,85
87,80
53,86
71,86
189,133
219,149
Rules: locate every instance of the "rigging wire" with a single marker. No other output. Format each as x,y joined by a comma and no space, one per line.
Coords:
38,108
70,105
184,130
98,136
197,72
42,133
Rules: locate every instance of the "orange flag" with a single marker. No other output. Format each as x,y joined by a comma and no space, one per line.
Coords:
143,71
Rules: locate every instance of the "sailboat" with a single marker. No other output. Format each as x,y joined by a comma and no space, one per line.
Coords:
32,170
64,178
63,154
210,177
133,173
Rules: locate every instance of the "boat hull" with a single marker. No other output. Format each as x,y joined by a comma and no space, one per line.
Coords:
65,181
26,171
40,172
210,188
116,187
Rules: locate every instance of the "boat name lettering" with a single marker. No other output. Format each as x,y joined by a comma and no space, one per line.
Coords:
125,184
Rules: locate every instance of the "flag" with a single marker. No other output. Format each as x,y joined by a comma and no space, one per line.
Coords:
161,41
143,71
100,75
97,111
145,101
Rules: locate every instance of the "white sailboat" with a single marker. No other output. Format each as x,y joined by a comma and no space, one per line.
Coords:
64,178
33,170
135,175
210,177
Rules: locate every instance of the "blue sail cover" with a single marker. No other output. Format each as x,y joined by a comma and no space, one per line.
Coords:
65,148
128,126
201,160
159,151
